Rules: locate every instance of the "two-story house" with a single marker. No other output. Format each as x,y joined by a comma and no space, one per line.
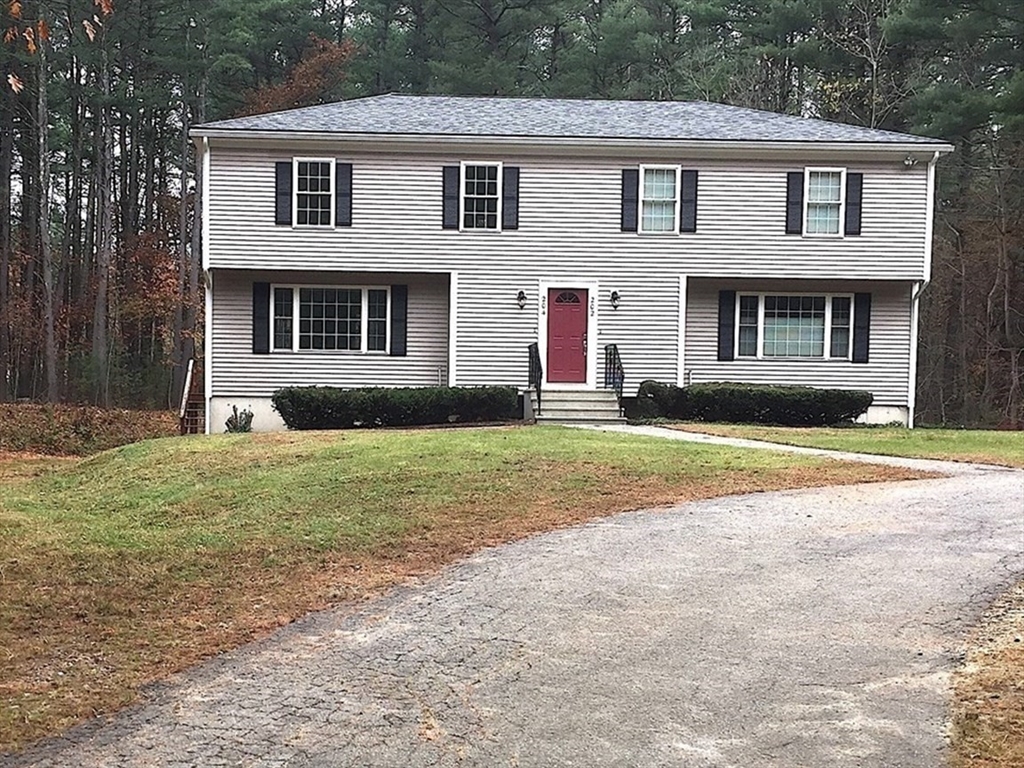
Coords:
422,240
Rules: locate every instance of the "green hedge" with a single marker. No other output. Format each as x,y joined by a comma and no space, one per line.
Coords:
750,404
334,408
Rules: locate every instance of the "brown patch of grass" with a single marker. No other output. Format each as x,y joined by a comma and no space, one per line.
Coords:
15,467
988,701
128,567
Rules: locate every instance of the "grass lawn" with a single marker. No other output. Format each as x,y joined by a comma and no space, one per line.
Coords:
125,567
974,445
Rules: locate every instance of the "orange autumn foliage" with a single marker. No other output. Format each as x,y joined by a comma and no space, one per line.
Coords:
313,80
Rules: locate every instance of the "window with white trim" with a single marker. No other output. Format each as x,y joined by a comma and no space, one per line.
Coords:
481,196
659,198
824,201
330,318
794,326
313,197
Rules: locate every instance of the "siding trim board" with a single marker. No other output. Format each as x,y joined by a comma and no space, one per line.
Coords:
681,340
453,329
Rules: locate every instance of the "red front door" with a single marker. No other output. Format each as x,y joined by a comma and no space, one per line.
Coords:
567,336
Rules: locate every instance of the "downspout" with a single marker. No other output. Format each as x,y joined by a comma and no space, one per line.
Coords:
918,289
208,284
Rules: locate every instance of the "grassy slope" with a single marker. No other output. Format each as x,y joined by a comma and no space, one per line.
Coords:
124,567
975,445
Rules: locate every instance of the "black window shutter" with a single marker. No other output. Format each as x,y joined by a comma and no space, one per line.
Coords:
861,326
343,194
795,203
283,193
726,324
509,197
630,198
260,318
450,210
399,319
688,202
854,189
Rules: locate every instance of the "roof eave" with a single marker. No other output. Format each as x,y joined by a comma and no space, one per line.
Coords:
444,142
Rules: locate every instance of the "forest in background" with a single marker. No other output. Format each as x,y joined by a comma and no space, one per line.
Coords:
100,280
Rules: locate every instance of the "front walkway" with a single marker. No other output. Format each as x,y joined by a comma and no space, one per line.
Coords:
814,628
924,465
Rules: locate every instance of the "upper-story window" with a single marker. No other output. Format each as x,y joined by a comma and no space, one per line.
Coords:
660,198
313,200
824,201
481,196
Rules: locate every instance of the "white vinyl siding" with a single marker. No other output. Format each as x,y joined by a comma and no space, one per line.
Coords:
569,232
569,220
237,372
886,375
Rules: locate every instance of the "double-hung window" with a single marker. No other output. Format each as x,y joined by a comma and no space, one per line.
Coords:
481,196
330,318
794,326
313,197
659,198
824,201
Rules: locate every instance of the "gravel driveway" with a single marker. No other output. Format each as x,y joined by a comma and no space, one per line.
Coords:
814,628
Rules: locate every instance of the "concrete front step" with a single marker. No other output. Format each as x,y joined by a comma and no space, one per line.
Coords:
578,407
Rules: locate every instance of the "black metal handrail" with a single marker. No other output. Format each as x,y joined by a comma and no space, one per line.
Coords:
614,373
536,371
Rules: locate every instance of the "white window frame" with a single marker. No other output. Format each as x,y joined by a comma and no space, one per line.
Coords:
640,201
364,324
760,326
842,202
295,192
462,194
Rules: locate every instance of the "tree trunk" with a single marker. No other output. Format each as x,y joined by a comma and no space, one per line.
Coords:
104,240
45,249
6,165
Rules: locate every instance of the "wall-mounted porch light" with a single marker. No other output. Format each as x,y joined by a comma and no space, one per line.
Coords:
616,298
521,299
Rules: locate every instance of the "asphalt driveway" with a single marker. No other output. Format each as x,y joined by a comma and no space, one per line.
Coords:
811,628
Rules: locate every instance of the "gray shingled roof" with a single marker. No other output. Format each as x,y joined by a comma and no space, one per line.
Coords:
555,118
